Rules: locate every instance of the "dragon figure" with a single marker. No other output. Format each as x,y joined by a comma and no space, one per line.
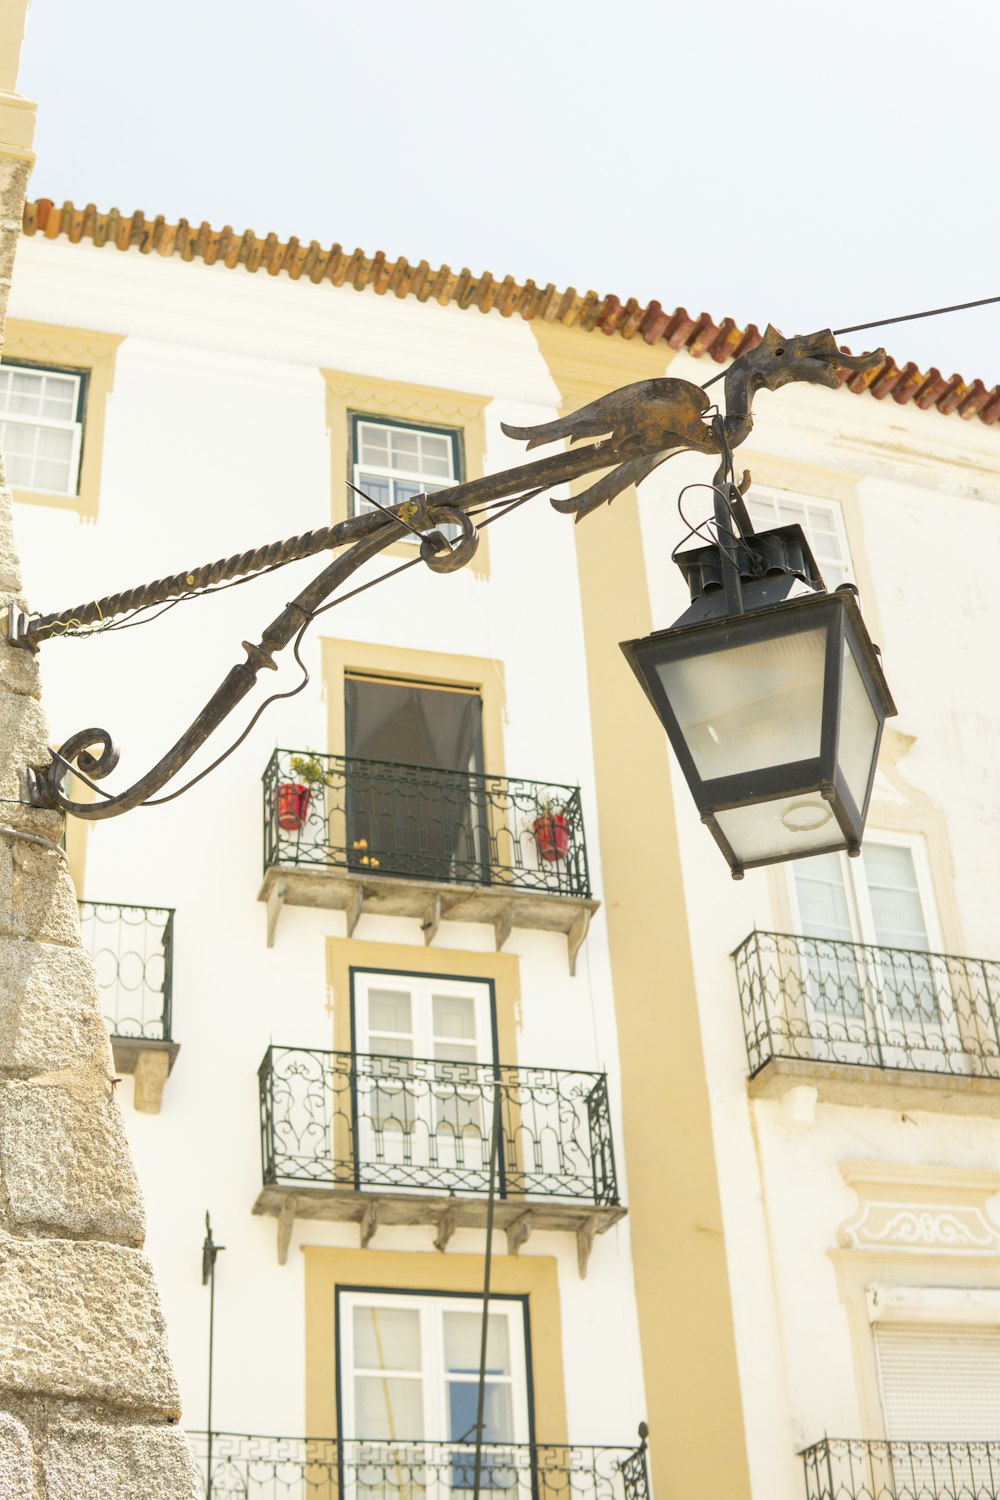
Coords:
646,423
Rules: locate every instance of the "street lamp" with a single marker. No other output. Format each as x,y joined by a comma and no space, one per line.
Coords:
769,687
773,699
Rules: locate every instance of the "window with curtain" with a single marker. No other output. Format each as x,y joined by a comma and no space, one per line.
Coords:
414,801
408,1373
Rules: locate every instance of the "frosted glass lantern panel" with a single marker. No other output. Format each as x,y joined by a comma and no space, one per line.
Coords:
779,828
858,730
750,706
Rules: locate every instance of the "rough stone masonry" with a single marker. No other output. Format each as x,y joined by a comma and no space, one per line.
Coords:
88,1399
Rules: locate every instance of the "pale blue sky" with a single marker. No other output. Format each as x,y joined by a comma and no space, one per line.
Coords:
804,161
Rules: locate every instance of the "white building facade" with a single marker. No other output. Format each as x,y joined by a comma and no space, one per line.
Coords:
749,1149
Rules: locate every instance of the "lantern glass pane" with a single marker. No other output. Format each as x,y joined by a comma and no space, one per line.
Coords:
858,730
750,706
782,828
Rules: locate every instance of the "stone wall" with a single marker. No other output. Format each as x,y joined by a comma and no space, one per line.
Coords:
88,1399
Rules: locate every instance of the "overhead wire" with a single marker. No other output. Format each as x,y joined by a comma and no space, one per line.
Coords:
310,616
930,312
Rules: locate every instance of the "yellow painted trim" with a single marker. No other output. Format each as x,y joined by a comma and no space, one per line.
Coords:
348,394
344,954
13,15
482,673
678,1250
924,1189
79,348
534,1276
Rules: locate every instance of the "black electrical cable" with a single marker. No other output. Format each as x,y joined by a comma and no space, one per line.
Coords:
477,1465
292,692
931,312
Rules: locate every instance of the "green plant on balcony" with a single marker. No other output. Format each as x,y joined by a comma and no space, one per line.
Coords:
293,797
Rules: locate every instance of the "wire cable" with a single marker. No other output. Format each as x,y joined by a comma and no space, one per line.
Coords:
362,588
477,1467
930,312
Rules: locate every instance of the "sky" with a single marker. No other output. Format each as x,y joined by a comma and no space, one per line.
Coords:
807,163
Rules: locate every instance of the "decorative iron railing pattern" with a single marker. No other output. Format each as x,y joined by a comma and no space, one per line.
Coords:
353,1120
133,952
866,1469
838,1002
280,1468
377,817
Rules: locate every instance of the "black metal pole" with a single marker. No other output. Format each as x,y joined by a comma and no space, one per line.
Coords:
487,1272
209,1251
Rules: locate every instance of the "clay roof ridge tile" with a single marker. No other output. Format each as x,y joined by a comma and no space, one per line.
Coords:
722,341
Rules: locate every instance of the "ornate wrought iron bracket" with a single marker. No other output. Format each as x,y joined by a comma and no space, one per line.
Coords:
636,429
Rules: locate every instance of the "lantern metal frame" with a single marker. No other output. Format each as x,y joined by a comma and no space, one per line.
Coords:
777,598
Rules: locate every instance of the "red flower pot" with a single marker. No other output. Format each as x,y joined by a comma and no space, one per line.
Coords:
551,836
293,805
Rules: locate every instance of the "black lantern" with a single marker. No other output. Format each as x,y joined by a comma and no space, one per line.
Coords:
775,713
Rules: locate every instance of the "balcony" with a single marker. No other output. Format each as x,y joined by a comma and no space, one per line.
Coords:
853,1019
265,1468
399,1140
862,1469
397,840
133,949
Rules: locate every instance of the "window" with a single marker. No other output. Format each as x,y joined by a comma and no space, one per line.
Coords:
415,799
821,520
41,426
407,1374
393,461
389,413
939,1382
425,1016
886,995
426,1120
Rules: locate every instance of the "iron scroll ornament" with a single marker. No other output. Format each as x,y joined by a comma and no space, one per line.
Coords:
636,428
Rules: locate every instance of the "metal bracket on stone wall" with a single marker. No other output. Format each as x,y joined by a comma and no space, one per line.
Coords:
636,429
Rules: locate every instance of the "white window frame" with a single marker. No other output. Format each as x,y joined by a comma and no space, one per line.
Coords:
871,986
431,1308
856,889
75,427
410,1126
426,484
422,988
773,498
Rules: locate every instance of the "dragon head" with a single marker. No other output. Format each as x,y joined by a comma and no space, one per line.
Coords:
812,357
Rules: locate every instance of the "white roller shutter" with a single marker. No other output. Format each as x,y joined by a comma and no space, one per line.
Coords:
939,1382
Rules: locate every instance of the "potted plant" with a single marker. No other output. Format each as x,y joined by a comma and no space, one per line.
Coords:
550,830
293,797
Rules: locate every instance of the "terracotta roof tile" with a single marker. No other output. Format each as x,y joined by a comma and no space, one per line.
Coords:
699,336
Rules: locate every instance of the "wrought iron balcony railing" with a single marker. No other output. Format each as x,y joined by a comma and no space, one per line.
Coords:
823,1001
341,1119
133,950
378,818
279,1468
865,1469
